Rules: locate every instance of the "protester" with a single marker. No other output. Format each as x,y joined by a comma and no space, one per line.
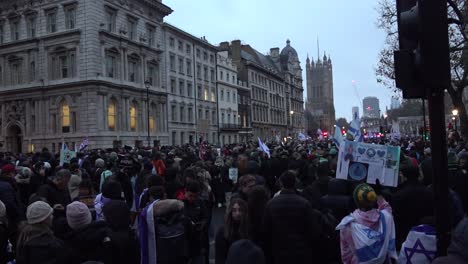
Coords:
291,228
457,253
37,243
88,240
123,240
367,228
235,228
246,252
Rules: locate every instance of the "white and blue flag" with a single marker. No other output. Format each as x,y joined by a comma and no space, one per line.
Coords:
337,137
264,147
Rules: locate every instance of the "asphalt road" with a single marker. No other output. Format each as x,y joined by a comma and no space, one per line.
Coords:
216,222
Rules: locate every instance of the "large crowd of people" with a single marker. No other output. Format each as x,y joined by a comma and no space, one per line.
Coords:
155,205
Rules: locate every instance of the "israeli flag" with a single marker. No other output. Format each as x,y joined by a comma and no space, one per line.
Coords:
354,129
337,137
264,147
302,137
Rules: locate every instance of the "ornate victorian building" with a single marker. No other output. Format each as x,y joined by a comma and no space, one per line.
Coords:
74,69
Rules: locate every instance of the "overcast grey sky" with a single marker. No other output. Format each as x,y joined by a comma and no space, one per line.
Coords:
346,30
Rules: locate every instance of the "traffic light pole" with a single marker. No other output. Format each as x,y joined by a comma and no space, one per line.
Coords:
440,169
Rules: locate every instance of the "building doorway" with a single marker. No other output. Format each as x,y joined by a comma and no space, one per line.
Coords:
14,139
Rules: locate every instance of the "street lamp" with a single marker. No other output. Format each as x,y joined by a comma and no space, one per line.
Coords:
291,113
454,118
147,85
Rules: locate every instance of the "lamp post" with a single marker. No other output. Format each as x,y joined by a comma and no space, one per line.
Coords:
454,118
291,113
147,85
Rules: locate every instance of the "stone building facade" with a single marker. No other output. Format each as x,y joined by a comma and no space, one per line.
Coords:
191,87
320,102
267,89
229,117
75,69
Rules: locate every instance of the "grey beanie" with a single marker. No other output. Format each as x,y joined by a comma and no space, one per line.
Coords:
38,212
78,215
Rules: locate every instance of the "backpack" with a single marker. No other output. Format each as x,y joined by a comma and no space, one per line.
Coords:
171,241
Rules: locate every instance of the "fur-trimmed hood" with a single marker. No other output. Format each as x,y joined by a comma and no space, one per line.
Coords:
167,206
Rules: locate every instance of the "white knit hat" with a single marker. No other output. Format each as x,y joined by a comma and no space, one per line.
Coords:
78,215
38,212
2,209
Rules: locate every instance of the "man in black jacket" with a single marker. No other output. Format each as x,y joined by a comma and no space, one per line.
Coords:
291,226
197,214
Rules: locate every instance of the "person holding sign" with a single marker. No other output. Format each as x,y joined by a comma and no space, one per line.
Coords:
368,234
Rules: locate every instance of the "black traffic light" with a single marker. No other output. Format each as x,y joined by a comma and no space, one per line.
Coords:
422,63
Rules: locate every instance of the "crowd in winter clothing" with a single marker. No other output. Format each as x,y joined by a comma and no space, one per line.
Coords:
155,205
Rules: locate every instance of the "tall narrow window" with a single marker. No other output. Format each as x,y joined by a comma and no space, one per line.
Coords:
133,118
31,26
111,16
188,68
65,112
133,68
63,64
181,65
111,64
152,126
70,17
173,113
172,62
132,28
153,74
213,95
181,87
51,19
32,71
15,71
206,96
150,34
14,28
189,89
190,114
111,116
182,114
2,33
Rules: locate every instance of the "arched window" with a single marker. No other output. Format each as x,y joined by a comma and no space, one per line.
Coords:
133,118
152,119
65,115
111,113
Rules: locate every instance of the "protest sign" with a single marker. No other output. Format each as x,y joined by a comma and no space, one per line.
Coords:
233,175
66,156
364,162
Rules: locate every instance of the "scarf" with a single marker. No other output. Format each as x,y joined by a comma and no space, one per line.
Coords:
147,235
99,203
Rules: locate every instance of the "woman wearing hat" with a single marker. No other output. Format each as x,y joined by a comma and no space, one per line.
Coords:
368,234
37,243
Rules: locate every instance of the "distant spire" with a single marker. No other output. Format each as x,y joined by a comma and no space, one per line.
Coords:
288,42
307,60
318,48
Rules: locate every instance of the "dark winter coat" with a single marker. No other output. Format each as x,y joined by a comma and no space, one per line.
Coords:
91,242
171,232
54,195
291,228
42,248
123,240
410,204
14,210
339,204
222,246
198,217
